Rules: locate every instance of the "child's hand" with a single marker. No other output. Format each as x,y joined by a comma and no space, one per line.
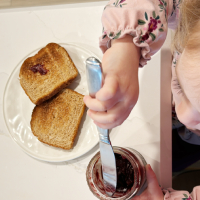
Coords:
119,94
153,190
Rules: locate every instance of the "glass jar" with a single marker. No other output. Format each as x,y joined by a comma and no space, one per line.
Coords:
95,180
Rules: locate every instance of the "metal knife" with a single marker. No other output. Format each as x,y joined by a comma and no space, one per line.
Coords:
94,80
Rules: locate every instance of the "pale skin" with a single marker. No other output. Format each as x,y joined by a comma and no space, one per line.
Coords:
153,190
119,94
186,101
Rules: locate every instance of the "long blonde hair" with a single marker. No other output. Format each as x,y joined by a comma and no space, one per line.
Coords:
188,31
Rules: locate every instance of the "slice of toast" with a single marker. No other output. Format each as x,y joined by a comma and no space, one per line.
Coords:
47,73
56,121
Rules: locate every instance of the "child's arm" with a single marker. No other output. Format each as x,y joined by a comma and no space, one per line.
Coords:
120,91
146,20
133,31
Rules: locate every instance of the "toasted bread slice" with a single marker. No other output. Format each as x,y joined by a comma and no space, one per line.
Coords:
47,73
56,121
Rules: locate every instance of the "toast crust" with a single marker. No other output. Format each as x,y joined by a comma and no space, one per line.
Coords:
56,121
61,71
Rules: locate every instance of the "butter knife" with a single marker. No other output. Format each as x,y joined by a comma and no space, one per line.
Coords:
94,81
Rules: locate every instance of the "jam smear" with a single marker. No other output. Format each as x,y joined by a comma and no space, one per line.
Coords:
125,174
39,68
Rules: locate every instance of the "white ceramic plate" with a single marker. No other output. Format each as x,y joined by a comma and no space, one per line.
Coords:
18,109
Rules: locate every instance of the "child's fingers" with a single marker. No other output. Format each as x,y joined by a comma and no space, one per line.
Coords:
114,117
153,185
110,125
94,104
153,190
108,117
99,106
109,89
106,97
151,177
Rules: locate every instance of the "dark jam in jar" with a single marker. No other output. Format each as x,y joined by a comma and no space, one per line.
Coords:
131,174
125,174
39,68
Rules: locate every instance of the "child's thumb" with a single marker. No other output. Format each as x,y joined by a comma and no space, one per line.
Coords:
109,89
151,178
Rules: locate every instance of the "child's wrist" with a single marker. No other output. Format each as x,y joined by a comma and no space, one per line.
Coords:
126,42
125,39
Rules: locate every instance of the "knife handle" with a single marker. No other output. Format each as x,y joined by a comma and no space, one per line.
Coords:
94,80
94,75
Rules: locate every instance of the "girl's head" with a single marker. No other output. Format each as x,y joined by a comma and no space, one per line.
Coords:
187,26
187,42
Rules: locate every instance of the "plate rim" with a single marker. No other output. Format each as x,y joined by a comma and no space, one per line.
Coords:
4,114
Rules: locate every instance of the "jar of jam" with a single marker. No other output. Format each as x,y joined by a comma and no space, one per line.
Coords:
131,174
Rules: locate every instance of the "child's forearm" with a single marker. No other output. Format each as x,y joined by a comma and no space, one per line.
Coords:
126,44
119,93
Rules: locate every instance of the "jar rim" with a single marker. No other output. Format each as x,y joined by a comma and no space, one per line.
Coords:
137,174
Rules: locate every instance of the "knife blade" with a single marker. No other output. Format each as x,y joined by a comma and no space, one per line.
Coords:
94,81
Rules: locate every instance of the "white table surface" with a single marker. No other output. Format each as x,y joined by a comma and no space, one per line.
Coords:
21,32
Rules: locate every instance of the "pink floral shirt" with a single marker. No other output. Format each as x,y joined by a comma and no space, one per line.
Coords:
147,21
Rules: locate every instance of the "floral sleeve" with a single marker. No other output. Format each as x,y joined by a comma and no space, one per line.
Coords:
145,20
171,194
